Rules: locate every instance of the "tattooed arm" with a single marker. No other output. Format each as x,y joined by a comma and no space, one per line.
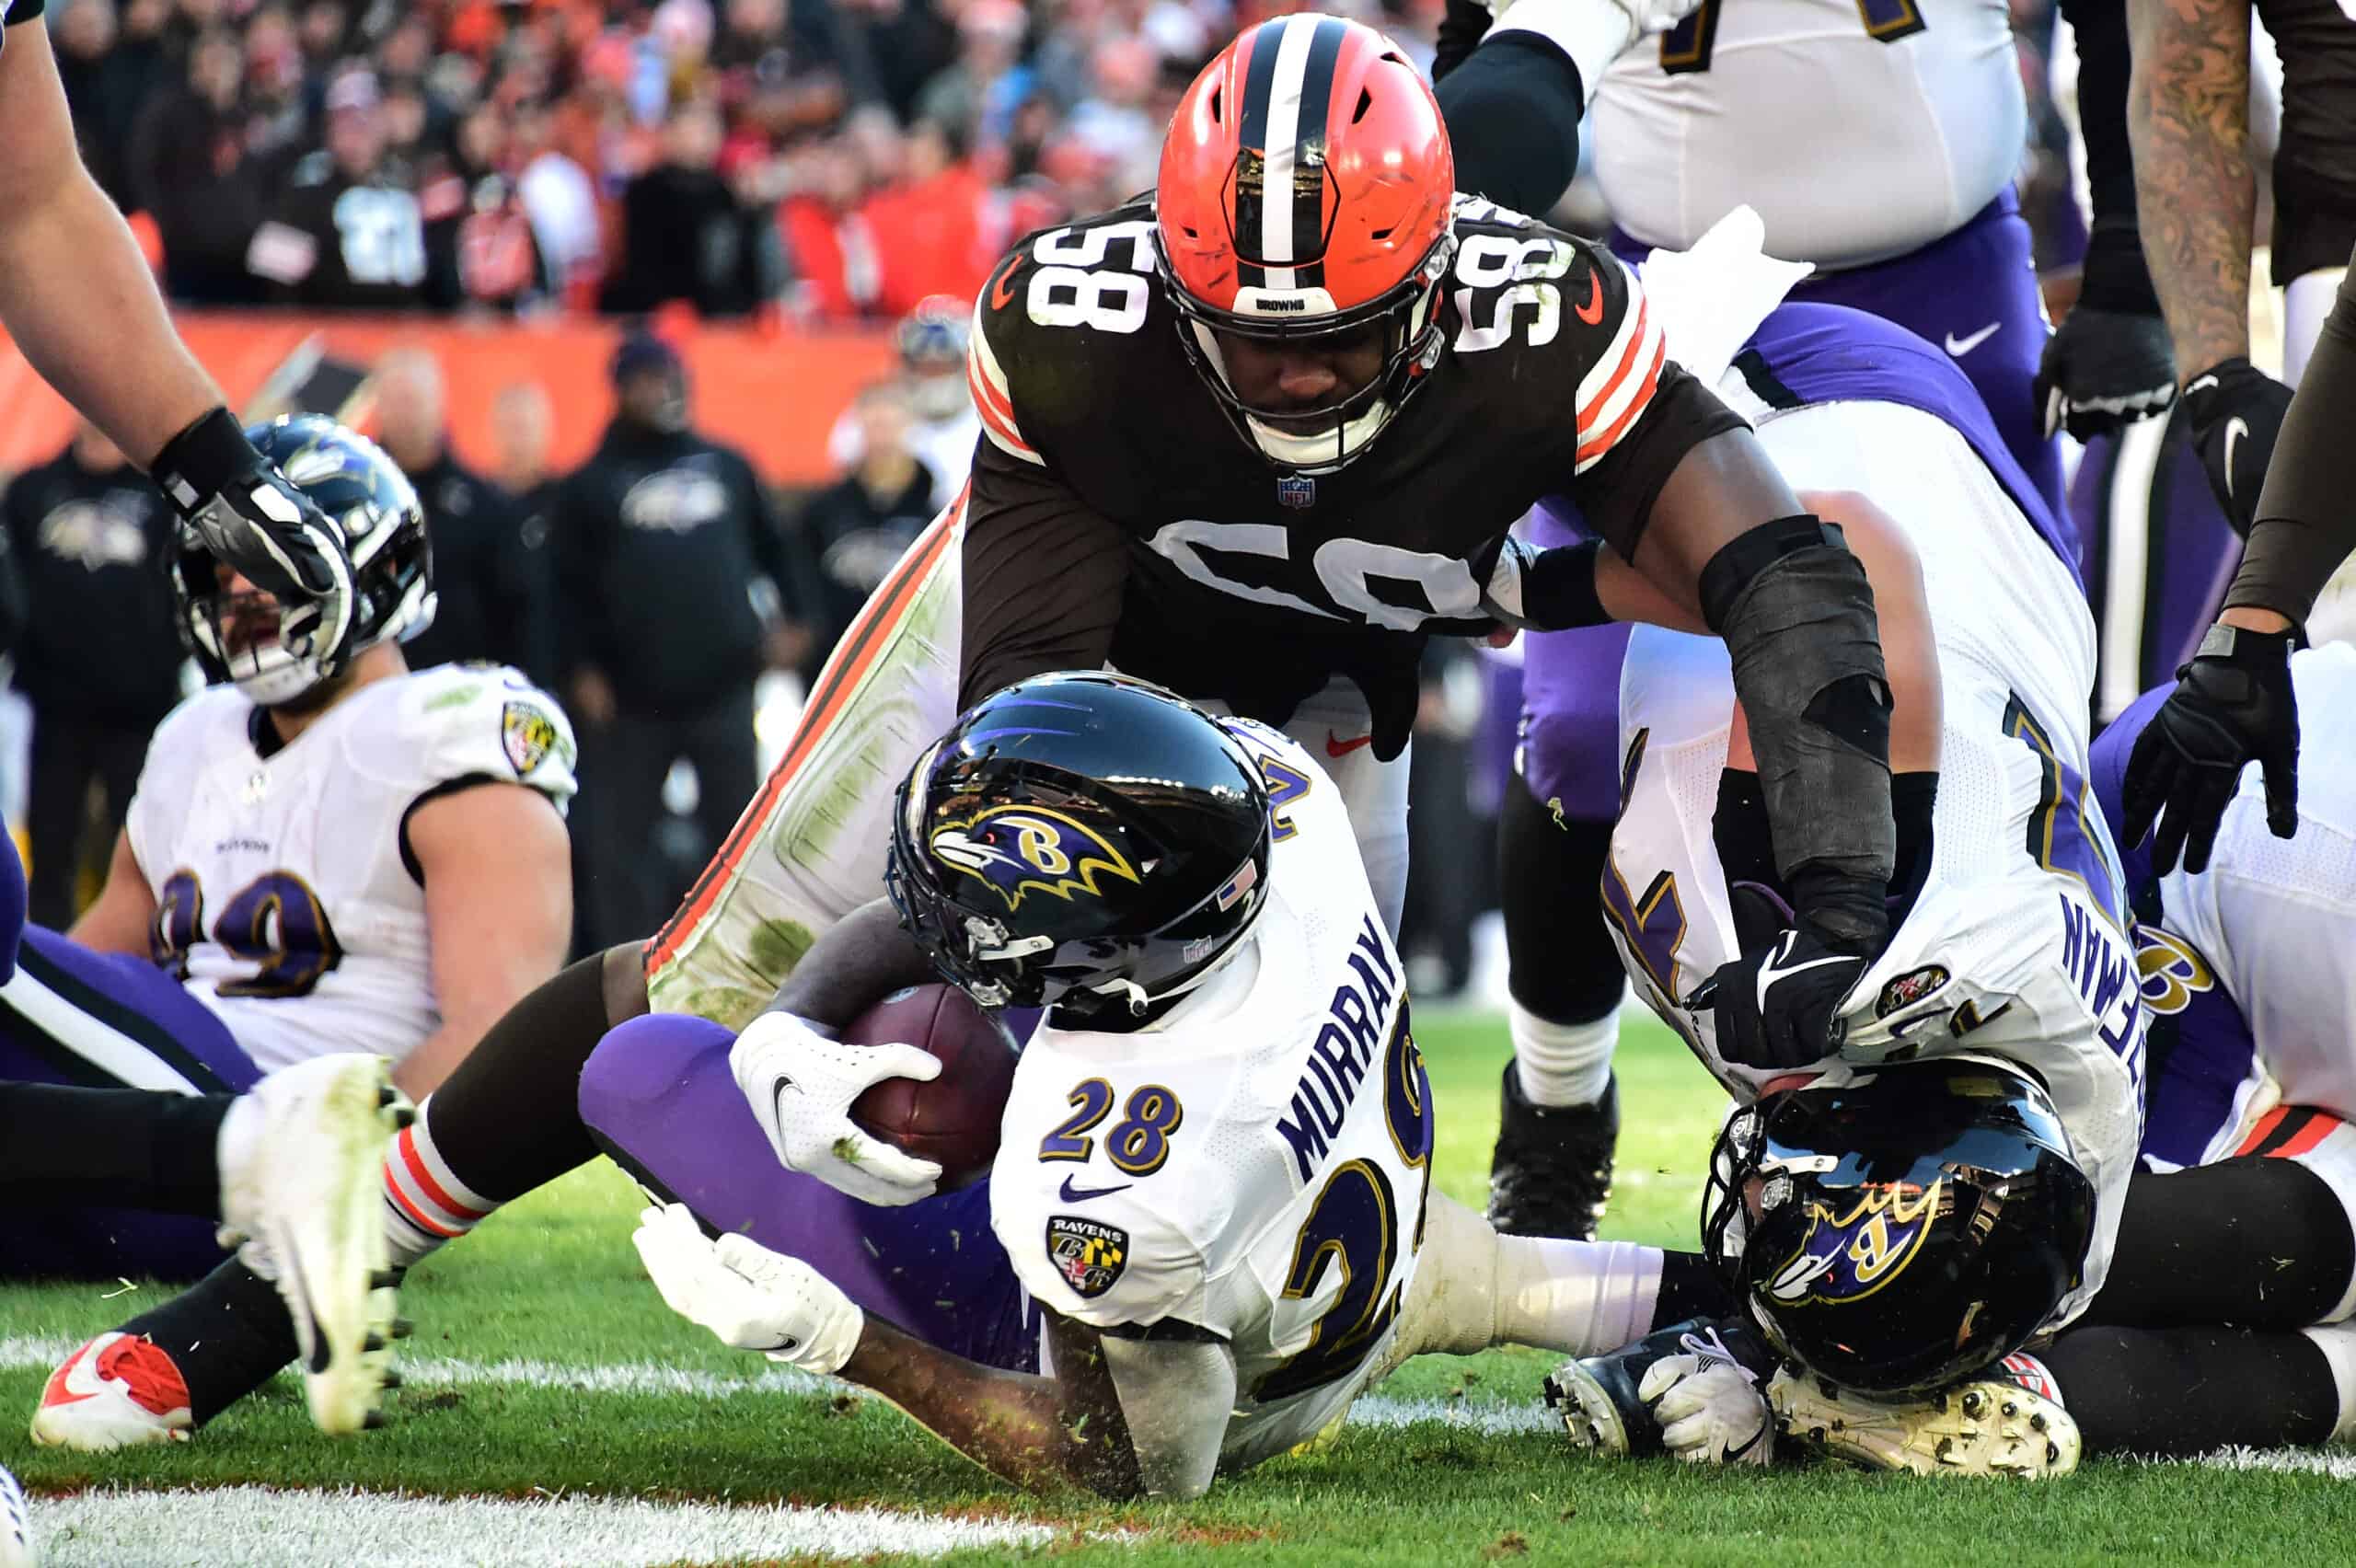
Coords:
2187,118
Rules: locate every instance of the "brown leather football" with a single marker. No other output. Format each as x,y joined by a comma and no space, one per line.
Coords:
953,1120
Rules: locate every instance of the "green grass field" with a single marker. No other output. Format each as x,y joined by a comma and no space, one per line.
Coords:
545,1368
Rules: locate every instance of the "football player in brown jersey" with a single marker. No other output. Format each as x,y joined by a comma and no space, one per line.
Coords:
1257,439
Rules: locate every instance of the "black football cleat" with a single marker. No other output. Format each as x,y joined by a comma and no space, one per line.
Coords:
1596,1398
1551,1169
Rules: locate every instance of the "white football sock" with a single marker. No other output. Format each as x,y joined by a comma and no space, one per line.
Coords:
424,1203
2338,1343
1562,1064
1580,1298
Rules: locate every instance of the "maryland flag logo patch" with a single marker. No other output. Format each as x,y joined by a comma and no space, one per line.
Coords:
528,733
1089,1255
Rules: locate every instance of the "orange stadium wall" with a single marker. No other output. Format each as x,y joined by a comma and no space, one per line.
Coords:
773,393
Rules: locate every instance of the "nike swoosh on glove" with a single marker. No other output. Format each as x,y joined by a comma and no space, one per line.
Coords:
1777,1005
1709,1405
750,1297
2235,415
2103,369
2234,704
800,1085
275,537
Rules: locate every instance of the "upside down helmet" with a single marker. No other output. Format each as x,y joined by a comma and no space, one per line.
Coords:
1305,197
348,477
1904,1231
1082,841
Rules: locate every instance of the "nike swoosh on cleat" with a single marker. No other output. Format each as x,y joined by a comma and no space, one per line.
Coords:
1958,347
1072,1194
77,1380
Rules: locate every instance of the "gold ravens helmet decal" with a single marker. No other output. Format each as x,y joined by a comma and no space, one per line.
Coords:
1019,850
1847,1257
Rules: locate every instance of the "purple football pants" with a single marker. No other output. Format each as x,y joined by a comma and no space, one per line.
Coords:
75,1017
659,1097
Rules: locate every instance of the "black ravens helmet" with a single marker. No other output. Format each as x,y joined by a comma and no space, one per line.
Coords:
235,637
1081,841
1904,1231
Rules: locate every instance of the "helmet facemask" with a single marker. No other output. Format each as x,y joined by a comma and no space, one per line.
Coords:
1326,437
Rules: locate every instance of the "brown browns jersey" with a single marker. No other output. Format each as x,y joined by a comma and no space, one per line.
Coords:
1117,513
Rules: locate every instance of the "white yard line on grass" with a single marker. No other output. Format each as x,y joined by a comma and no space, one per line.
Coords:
260,1526
1487,1417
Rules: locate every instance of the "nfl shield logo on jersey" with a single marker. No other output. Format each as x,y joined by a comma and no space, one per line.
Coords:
1090,1256
1297,490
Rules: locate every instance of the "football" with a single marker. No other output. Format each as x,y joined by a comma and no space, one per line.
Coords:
953,1119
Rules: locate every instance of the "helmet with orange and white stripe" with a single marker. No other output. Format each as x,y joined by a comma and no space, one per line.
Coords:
1303,202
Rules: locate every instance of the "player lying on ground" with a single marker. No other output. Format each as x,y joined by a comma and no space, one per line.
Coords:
1243,1222
1902,1251
2225,1319
321,853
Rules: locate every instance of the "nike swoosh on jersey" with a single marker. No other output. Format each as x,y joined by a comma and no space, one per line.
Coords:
1774,969
1958,347
1336,746
2237,428
1003,290
1592,311
1072,1194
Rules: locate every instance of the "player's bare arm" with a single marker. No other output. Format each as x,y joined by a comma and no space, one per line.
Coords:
498,875
75,290
1038,1432
122,918
2188,113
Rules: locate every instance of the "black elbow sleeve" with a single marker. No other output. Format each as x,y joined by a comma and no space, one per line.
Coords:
1513,109
2304,526
1797,614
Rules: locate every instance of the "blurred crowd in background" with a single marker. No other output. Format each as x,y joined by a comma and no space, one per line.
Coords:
810,161
831,160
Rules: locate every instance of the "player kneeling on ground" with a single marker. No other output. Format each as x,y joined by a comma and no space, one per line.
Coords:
1905,1200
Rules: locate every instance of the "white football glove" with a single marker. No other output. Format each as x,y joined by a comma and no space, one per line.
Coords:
749,1297
800,1085
1710,1407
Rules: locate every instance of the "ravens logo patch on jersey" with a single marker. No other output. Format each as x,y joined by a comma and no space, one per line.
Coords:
1089,1255
528,735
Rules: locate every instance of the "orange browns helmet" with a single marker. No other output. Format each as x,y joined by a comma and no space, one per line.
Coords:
1305,193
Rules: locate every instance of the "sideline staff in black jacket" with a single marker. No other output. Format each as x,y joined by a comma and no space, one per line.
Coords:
100,658
662,543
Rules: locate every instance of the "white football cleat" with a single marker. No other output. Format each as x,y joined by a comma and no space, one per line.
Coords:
16,1546
304,1186
1993,1426
116,1392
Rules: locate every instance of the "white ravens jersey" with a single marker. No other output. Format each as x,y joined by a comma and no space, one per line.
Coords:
2016,947
2272,921
1254,1164
1859,129
286,896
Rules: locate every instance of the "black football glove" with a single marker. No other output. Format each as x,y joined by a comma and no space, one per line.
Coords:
2103,369
2232,705
272,533
2234,412
1778,1004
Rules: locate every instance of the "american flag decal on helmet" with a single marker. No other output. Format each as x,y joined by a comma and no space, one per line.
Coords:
1283,194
